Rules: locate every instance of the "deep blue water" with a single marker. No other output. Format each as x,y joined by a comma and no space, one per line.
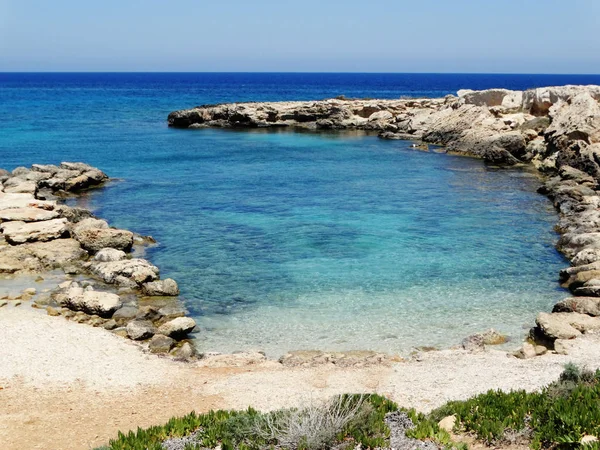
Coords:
285,240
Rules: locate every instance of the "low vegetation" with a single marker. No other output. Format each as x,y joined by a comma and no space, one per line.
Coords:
557,417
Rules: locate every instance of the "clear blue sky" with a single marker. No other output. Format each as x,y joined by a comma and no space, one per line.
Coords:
507,36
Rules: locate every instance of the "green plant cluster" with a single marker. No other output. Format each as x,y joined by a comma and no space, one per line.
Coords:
555,418
245,430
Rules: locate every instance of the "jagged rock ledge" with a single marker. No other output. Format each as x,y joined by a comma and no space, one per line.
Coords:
104,285
556,129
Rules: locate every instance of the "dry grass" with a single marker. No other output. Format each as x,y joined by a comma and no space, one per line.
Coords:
314,426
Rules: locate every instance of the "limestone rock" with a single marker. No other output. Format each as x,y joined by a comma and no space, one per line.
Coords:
136,270
166,287
586,256
489,97
52,311
125,314
103,304
563,346
582,305
473,343
20,186
527,351
95,239
27,214
110,324
161,344
566,325
20,232
109,255
186,352
20,200
138,330
88,224
493,337
177,328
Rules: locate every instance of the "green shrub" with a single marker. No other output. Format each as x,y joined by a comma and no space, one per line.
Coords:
555,418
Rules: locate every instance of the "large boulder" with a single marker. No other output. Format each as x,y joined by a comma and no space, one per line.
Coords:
489,97
103,304
135,270
20,186
539,101
55,254
177,328
20,232
566,325
110,255
95,239
582,305
166,287
161,344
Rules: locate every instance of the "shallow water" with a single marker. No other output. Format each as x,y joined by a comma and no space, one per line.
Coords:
284,241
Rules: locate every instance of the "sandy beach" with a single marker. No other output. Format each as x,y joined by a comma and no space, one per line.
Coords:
66,385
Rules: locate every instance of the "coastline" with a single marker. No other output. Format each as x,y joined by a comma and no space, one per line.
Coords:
555,129
425,380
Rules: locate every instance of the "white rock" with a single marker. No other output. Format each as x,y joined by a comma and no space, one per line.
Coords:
110,255
178,327
27,214
20,232
135,269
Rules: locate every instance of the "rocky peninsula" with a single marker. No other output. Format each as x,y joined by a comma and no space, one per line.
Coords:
555,129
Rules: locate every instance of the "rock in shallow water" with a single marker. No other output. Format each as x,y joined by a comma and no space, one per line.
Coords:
103,304
136,270
166,287
95,239
177,328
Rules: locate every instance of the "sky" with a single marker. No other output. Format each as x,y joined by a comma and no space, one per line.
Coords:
456,36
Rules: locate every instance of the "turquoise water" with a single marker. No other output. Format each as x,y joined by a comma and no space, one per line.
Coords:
284,241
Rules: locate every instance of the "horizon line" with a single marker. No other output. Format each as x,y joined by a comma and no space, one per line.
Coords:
281,72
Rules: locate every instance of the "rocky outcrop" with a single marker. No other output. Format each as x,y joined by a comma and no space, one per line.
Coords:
39,234
552,126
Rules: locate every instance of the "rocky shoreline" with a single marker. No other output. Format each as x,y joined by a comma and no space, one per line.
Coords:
103,285
555,129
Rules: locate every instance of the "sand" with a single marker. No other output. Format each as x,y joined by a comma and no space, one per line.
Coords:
65,385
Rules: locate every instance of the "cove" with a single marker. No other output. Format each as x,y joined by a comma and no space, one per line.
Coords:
287,241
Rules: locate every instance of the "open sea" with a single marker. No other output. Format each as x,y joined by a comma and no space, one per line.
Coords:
283,240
